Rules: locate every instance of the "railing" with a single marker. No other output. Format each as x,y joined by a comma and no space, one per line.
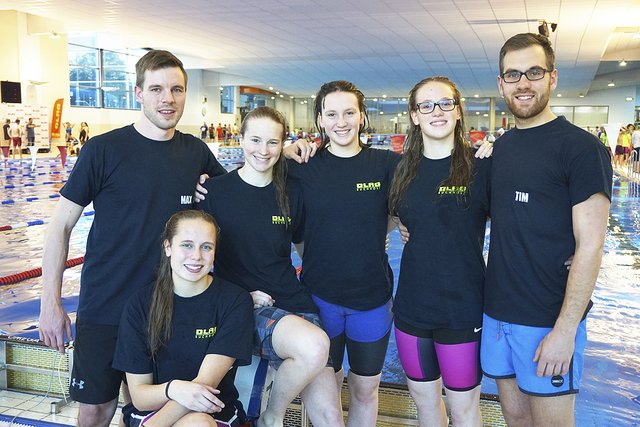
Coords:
633,165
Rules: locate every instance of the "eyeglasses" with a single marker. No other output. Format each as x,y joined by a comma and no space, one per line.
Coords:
444,104
532,75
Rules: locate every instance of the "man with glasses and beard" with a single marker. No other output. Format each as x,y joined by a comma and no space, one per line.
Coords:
550,197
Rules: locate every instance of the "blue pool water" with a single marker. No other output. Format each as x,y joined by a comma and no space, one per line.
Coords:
610,390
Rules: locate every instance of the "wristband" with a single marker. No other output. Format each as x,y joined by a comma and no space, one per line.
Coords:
166,389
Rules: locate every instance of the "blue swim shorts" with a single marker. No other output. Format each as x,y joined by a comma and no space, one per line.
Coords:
507,351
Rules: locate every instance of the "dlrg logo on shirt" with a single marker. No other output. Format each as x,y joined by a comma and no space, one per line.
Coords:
452,190
368,186
279,220
206,333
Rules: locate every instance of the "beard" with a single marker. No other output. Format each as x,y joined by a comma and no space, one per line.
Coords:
527,112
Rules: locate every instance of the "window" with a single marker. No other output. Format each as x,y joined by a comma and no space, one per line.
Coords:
84,76
583,115
119,80
227,99
102,78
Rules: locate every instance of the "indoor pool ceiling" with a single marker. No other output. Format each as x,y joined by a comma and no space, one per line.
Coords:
384,46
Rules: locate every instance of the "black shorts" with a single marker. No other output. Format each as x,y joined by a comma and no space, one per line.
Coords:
93,380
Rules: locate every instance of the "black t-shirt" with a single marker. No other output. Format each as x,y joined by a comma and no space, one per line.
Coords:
442,269
5,130
217,321
254,247
135,184
345,226
538,175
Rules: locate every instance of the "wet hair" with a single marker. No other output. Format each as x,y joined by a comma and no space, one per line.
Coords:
161,304
338,86
280,167
157,60
525,40
461,169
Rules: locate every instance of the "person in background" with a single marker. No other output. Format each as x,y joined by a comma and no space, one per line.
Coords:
212,133
203,131
31,131
604,138
84,133
181,337
219,134
16,132
635,142
542,212
626,143
618,158
68,129
5,143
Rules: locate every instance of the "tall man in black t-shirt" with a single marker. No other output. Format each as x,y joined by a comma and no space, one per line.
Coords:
550,197
137,177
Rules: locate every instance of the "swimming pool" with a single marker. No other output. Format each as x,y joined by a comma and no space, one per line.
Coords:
610,391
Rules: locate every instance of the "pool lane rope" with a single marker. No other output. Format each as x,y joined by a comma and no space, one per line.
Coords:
28,199
32,184
32,223
36,272
32,174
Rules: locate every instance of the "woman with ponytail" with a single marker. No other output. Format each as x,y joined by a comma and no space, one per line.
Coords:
180,338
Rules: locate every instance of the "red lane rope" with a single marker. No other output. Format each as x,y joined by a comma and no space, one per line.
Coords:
36,272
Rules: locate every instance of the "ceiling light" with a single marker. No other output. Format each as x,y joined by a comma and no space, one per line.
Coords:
477,113
559,95
404,99
281,96
277,93
404,112
375,99
611,84
381,112
628,99
270,87
485,115
476,95
399,114
581,95
291,96
463,99
273,97
623,63
384,96
502,113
